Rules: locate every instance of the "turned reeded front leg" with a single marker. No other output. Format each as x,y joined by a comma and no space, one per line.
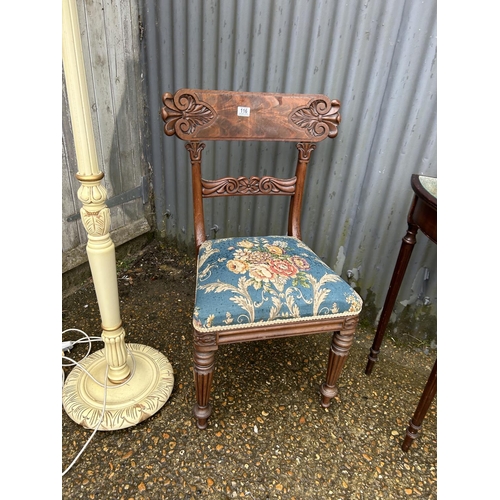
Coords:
339,349
423,406
204,362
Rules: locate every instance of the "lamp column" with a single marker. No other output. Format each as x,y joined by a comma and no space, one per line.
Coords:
94,212
139,378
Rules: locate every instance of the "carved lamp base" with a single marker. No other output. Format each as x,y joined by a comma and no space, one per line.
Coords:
127,404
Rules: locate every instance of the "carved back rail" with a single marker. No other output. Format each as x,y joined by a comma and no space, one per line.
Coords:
211,115
231,186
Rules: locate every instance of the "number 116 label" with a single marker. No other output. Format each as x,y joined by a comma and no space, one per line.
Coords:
243,111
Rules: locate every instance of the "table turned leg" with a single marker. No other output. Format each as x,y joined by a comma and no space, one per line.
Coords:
423,405
405,251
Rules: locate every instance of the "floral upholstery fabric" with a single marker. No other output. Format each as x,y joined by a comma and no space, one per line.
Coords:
241,281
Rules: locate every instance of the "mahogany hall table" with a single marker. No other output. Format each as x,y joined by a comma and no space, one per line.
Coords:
421,216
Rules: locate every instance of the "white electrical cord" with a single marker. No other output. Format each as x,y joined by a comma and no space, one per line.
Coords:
68,345
95,430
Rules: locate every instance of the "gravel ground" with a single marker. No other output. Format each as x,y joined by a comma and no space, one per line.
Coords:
268,436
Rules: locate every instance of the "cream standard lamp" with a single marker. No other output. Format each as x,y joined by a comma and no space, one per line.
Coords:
130,381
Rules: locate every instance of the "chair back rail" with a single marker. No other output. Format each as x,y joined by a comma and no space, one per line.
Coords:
220,115
195,115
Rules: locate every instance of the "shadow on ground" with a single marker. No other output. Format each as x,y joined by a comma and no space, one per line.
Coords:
268,436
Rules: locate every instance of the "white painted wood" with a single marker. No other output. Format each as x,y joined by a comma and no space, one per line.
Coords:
109,34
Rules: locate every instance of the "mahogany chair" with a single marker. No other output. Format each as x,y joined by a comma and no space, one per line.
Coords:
255,288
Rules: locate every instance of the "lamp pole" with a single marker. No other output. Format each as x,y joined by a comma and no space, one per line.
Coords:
141,376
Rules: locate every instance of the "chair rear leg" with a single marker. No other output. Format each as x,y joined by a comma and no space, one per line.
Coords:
339,349
204,362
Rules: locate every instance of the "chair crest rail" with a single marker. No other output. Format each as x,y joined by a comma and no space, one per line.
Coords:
195,114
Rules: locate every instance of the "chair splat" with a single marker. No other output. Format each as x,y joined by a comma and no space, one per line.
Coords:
241,186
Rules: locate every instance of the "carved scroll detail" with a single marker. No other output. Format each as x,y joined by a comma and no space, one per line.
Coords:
92,193
184,114
248,186
319,118
305,150
97,223
350,323
205,339
94,212
195,149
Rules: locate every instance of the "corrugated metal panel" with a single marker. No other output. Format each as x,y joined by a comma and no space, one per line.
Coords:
377,57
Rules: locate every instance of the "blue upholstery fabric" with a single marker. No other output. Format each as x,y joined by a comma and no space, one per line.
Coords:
243,281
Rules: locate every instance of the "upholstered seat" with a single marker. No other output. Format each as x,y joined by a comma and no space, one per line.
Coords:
259,287
272,280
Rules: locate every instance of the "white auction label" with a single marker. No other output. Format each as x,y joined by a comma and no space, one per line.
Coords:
243,111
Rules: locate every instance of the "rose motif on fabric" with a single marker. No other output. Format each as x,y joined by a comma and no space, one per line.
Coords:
283,268
300,263
268,263
237,266
266,279
261,272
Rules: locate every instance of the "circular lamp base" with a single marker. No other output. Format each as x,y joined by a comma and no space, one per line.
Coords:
128,404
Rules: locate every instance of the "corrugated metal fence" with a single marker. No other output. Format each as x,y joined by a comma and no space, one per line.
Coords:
377,57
